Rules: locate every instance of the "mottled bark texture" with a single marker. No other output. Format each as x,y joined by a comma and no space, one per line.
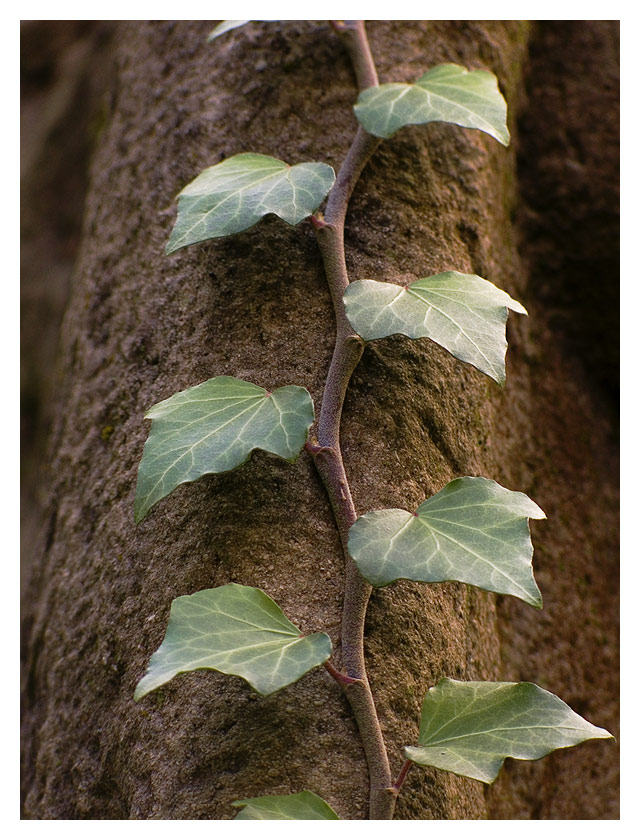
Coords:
140,326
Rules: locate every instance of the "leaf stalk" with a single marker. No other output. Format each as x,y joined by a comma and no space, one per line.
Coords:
338,676
402,775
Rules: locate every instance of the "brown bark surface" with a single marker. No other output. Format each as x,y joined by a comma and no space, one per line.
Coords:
140,326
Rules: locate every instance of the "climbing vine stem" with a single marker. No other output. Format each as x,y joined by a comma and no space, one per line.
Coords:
327,453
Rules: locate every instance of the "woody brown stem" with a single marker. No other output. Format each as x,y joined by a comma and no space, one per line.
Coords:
327,454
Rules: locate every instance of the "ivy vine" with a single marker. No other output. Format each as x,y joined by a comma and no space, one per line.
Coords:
473,531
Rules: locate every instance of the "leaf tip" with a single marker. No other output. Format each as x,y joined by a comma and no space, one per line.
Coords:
140,691
224,26
171,247
534,510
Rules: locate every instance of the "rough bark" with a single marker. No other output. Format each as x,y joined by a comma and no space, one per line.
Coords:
140,326
65,70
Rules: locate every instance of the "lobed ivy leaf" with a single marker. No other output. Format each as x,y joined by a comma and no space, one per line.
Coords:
473,531
294,806
214,427
235,194
469,728
225,26
237,630
461,312
447,93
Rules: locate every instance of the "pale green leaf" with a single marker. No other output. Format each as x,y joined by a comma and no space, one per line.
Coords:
462,312
214,427
473,531
228,25
235,194
236,630
469,728
294,806
225,26
448,93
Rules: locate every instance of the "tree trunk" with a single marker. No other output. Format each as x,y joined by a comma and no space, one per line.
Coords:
140,326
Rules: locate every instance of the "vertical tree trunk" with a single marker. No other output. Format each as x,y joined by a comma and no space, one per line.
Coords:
140,326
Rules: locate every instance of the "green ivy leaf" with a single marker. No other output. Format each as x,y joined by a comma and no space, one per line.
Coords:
469,728
228,25
473,531
235,194
294,806
225,26
214,427
236,630
462,312
448,93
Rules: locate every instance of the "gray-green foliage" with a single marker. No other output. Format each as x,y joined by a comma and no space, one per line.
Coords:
235,194
447,93
473,531
214,427
225,26
462,312
293,806
228,25
469,728
236,630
